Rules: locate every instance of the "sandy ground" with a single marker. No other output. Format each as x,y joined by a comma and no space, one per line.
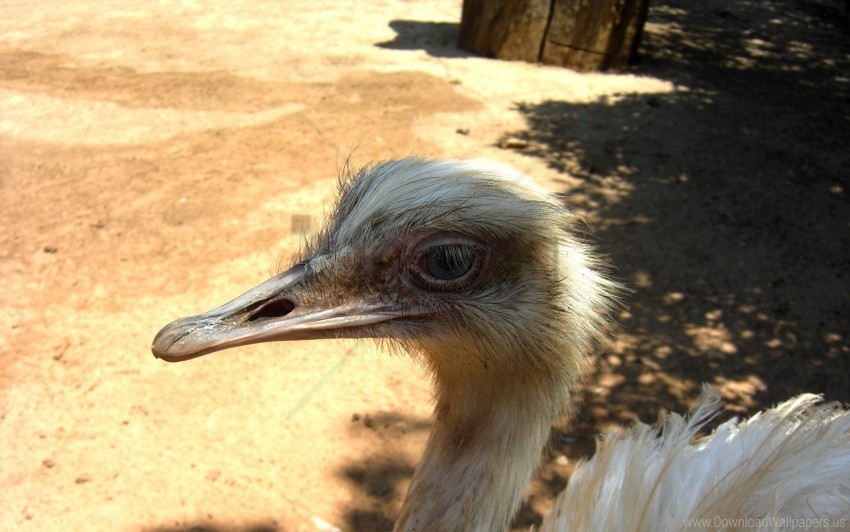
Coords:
158,158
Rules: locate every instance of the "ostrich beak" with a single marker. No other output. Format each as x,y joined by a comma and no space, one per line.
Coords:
266,313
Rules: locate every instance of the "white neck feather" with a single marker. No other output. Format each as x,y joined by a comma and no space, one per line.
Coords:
482,451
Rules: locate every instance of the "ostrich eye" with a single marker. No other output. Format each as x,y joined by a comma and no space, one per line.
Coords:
448,263
445,261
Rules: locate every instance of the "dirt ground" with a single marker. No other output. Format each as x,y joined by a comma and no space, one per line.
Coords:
159,158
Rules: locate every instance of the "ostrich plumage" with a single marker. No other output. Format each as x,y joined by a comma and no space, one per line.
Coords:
479,273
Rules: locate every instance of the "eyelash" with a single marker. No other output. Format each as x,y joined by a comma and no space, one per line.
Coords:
458,246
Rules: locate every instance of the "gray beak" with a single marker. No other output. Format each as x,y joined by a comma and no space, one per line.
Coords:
269,312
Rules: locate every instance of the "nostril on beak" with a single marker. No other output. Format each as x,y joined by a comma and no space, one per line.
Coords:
274,308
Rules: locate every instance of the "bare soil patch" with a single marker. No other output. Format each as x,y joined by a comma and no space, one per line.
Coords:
158,159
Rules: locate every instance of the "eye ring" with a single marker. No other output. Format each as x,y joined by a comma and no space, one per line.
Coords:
445,261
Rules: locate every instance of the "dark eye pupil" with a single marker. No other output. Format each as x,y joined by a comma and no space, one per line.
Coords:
448,264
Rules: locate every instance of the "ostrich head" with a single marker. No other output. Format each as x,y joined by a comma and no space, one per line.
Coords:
472,268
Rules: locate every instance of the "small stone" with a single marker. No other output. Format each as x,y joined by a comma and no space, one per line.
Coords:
48,463
50,249
513,143
462,131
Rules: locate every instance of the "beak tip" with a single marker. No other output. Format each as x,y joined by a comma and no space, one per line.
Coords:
196,336
160,353
157,353
165,341
163,354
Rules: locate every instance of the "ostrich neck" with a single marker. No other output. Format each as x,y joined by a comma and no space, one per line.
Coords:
483,449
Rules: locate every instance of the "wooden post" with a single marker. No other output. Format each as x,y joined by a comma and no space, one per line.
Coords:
505,29
579,34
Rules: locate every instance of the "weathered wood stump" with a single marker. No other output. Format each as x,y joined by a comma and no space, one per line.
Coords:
579,34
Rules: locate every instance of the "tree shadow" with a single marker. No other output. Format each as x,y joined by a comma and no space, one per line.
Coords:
379,480
207,527
438,39
724,205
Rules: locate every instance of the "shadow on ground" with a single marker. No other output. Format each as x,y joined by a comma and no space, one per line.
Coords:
724,204
438,39
253,527
379,480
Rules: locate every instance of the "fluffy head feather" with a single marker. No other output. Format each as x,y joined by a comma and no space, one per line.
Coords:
536,307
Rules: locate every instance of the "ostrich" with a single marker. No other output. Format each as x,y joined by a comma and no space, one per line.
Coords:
478,273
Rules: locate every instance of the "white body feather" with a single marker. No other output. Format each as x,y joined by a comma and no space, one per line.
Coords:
787,468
